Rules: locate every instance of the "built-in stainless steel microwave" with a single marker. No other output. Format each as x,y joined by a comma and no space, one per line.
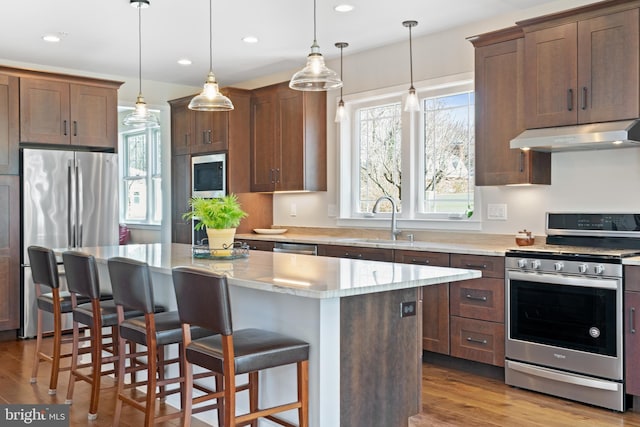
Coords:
209,175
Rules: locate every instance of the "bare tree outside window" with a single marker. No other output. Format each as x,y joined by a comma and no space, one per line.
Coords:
449,154
380,160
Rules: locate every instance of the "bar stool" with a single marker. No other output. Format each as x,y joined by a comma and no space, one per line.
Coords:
203,300
83,282
132,288
44,270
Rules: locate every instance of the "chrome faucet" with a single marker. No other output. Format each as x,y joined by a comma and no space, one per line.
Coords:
394,227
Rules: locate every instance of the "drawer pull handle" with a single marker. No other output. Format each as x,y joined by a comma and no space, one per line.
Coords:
419,261
475,298
632,320
480,266
473,340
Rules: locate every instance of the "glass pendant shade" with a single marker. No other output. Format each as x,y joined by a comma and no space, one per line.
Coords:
141,116
341,113
412,104
315,76
210,99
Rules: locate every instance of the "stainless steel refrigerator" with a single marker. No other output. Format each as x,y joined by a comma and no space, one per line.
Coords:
69,200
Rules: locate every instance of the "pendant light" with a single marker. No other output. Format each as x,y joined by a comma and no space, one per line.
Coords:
411,104
140,116
340,112
315,76
210,99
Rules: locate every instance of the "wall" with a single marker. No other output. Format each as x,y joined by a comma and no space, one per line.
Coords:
589,181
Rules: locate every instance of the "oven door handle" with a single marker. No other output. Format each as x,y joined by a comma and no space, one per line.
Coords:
556,279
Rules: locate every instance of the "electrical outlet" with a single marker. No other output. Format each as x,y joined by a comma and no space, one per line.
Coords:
408,308
497,211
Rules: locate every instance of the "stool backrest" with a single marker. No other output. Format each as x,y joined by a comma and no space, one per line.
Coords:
82,274
203,299
131,284
44,267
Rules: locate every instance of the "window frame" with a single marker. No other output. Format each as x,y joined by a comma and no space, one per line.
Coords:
412,155
153,140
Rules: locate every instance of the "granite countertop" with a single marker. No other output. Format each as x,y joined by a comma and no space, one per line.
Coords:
472,244
300,275
631,260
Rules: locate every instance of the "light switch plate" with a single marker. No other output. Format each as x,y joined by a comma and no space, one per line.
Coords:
497,211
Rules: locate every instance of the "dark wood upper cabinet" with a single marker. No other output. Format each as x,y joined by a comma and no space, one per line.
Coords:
55,111
288,140
500,102
9,121
582,71
196,132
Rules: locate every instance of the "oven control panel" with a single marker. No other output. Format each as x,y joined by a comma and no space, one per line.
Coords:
585,268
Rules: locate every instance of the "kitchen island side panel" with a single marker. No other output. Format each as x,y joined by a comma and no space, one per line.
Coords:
380,364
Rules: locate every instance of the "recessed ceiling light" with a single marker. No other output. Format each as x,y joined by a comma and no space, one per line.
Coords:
250,39
184,61
343,8
51,38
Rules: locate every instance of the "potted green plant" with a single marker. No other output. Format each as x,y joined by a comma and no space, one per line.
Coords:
220,217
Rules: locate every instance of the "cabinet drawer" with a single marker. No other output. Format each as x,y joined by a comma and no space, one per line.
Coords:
372,254
438,259
259,245
478,299
490,266
477,340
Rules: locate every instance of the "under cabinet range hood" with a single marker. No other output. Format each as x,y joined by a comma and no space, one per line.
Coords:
593,136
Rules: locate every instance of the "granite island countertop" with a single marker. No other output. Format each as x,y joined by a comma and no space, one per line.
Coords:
301,275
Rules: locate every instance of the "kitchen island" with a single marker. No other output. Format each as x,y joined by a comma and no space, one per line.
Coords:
365,357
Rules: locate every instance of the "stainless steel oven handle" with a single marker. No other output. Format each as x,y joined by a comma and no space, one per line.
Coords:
556,279
561,377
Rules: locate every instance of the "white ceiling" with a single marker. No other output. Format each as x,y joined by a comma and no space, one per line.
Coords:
102,35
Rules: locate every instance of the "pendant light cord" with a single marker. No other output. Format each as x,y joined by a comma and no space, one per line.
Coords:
210,36
139,50
411,57
315,38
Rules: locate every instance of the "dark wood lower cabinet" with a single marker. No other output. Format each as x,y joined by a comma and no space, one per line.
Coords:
354,252
9,252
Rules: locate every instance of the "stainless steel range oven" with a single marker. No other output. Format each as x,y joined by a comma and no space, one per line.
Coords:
564,303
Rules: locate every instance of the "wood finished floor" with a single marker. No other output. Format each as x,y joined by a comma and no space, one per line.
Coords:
451,398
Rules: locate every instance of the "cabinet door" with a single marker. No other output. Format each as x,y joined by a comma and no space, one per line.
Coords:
491,266
9,252
608,67
290,153
499,88
94,121
477,340
263,139
632,341
181,125
9,120
210,131
44,111
181,231
551,75
478,299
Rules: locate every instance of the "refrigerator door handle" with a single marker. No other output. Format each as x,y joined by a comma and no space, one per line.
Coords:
79,199
70,227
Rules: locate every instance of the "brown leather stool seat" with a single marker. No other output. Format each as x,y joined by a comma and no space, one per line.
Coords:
44,270
83,282
203,300
133,289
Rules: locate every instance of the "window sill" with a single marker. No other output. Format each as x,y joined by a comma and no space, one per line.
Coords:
414,224
138,226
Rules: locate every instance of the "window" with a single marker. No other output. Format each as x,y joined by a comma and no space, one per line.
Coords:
425,163
141,195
